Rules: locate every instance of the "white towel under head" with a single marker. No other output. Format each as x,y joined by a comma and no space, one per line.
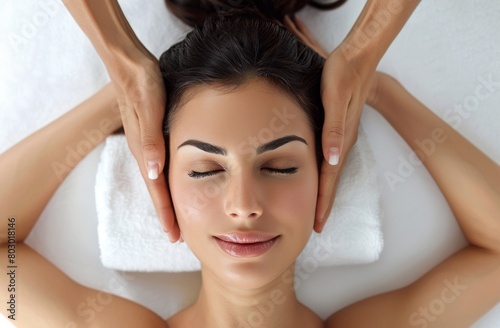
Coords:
131,237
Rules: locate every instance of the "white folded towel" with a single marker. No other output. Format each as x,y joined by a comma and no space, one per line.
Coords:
131,237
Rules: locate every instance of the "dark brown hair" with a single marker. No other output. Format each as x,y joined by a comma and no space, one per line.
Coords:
234,47
195,12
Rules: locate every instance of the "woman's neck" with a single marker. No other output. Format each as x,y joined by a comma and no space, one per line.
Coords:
274,305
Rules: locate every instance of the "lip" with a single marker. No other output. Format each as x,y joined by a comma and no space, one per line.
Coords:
246,244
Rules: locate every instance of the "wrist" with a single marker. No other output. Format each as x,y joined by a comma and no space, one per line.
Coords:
376,27
372,98
385,94
124,58
107,28
121,51
365,56
102,112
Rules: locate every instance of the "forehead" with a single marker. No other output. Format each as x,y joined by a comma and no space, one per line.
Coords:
255,109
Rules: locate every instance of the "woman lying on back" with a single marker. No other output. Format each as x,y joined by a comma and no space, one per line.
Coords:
237,74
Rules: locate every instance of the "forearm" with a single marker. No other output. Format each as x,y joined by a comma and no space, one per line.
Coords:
32,170
469,180
107,28
373,32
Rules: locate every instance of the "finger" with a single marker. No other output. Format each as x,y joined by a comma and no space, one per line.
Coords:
326,194
161,199
307,33
151,113
159,192
291,26
296,31
157,188
153,145
301,27
132,132
333,129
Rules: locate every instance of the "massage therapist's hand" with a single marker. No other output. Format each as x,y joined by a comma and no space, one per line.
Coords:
140,91
345,82
141,97
344,88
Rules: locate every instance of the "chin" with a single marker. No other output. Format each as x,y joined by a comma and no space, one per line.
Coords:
251,273
248,276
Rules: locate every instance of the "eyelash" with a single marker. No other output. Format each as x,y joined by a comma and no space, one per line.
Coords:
287,171
199,175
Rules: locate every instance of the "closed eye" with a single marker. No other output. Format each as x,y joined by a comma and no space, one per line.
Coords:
205,174
272,171
286,171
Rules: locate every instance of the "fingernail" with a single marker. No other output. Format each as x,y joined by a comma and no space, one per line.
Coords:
152,170
321,218
333,156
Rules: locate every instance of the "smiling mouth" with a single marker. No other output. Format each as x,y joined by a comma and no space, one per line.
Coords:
245,246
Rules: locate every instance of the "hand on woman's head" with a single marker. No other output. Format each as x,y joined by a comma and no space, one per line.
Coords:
225,55
343,91
336,74
141,98
195,13
342,84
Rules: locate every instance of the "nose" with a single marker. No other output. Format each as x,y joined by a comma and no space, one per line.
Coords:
243,198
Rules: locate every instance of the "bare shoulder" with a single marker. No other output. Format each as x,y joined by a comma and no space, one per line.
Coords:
49,298
456,293
183,318
120,312
379,311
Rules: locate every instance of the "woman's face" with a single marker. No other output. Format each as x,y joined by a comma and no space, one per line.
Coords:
243,180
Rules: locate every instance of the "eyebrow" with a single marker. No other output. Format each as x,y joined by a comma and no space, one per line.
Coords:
271,145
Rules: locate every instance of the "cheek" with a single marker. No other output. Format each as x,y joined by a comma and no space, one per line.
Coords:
295,204
188,202
194,206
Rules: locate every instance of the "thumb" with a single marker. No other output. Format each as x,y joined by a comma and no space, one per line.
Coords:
333,131
153,147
